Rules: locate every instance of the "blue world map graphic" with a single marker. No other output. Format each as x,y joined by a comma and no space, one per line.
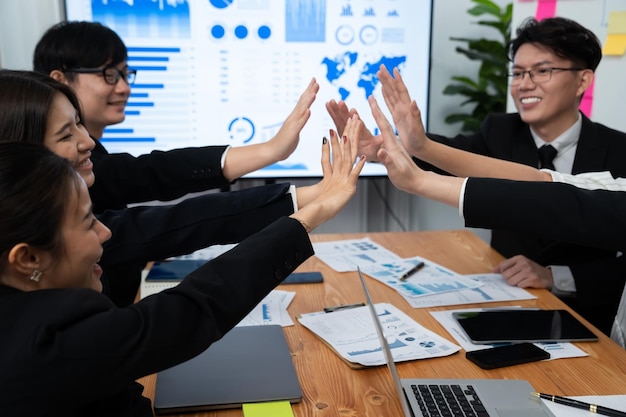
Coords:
349,70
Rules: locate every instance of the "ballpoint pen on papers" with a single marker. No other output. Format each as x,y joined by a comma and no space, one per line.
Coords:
592,408
411,271
342,307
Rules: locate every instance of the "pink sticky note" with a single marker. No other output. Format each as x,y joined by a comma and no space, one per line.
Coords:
545,8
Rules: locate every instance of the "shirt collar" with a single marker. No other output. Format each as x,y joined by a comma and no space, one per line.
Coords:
565,140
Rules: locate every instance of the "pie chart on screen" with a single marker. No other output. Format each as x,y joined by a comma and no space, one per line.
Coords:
221,4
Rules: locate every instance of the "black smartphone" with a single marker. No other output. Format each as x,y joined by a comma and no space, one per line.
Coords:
507,355
303,278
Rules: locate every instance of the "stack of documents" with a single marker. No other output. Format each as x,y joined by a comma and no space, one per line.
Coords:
352,335
431,286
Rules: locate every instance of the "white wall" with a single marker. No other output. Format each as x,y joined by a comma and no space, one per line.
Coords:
23,22
21,25
610,83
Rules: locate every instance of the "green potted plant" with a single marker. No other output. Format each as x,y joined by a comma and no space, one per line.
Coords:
488,93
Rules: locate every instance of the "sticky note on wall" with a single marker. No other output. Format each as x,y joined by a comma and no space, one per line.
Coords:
615,43
545,8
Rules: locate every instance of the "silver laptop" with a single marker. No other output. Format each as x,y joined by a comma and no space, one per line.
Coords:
479,397
249,364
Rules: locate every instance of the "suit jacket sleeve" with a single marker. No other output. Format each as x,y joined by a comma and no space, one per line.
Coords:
141,234
507,137
484,142
110,347
123,179
556,211
562,212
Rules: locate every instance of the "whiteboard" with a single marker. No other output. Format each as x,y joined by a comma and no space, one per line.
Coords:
610,83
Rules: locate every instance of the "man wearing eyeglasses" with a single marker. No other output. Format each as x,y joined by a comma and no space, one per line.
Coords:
553,64
92,59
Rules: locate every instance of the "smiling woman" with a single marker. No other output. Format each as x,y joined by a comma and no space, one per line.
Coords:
63,258
34,111
31,240
36,108
54,341
66,136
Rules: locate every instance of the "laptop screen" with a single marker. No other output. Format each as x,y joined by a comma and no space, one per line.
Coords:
385,347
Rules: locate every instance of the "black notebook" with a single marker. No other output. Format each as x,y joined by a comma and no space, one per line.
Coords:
173,270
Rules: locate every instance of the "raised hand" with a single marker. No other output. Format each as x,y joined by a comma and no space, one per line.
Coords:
406,115
368,144
401,169
286,139
405,174
340,178
242,160
339,112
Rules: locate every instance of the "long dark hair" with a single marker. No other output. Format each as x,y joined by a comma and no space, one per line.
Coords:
35,187
25,101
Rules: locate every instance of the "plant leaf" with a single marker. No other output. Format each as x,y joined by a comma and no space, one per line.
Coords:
488,93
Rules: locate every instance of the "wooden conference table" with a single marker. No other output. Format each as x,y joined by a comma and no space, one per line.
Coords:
331,388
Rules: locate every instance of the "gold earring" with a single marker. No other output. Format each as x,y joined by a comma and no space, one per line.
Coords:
35,275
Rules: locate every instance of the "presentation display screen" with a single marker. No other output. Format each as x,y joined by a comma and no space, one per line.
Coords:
228,72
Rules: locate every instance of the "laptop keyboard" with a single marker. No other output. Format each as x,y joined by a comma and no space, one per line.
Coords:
448,401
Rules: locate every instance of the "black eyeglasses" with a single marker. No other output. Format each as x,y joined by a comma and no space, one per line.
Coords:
111,75
538,75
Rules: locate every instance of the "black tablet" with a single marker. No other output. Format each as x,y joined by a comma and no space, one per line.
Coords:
523,325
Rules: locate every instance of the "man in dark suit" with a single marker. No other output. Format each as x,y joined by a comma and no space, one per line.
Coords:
552,211
598,274
553,65
92,59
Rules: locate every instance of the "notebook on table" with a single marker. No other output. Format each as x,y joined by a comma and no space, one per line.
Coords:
462,397
249,364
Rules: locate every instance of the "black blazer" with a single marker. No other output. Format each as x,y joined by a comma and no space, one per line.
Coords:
148,233
599,148
596,218
71,352
123,179
145,233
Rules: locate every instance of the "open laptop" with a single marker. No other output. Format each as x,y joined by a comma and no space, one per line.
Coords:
485,397
249,364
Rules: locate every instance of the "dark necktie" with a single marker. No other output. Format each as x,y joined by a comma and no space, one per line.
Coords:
546,155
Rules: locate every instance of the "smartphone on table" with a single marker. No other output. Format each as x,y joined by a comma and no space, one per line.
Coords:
507,355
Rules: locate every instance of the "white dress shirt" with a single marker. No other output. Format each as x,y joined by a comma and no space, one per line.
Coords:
565,145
